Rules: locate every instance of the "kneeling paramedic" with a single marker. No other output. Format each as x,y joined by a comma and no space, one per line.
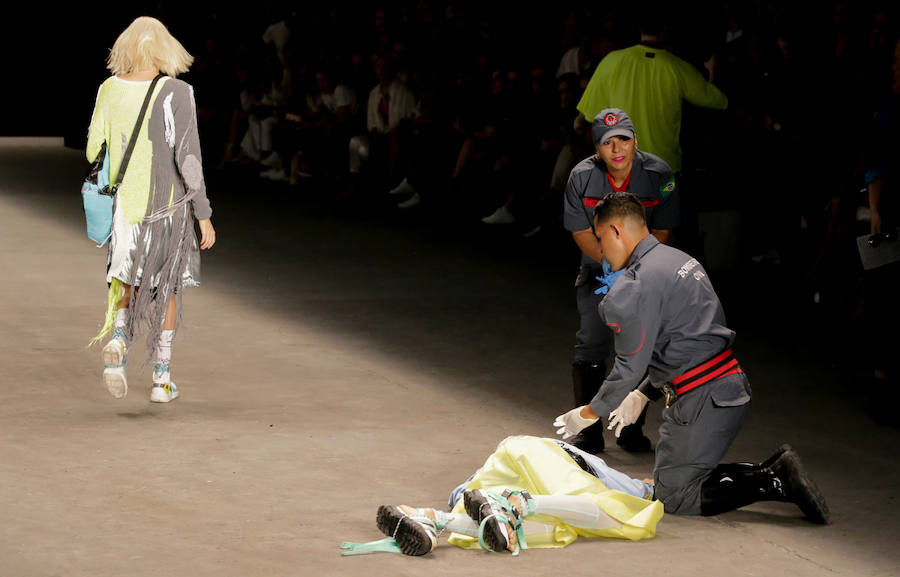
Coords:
668,324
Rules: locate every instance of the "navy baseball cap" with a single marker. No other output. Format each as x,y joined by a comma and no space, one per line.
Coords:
611,122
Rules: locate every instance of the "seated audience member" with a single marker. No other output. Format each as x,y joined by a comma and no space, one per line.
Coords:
391,106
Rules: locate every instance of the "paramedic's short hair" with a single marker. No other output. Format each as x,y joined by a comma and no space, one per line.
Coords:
621,205
147,44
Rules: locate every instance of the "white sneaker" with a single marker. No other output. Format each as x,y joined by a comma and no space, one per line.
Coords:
115,381
273,161
163,392
275,174
533,231
114,368
403,188
413,201
500,216
114,353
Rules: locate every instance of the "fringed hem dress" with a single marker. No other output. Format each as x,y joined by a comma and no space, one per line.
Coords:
153,244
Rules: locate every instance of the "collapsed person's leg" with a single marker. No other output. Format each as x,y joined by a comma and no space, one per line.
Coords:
500,517
574,510
522,464
416,530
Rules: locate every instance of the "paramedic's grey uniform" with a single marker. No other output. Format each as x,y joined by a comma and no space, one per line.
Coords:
667,319
652,181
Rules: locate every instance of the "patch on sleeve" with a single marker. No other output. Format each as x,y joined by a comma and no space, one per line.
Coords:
192,172
668,188
620,311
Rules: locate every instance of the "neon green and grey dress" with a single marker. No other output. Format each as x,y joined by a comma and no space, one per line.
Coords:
153,245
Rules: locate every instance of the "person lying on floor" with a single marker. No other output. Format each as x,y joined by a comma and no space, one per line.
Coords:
530,492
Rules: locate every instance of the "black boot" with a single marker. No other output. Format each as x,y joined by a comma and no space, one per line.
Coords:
733,485
799,488
632,437
586,380
779,478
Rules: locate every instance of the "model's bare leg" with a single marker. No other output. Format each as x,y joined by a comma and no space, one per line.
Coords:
169,323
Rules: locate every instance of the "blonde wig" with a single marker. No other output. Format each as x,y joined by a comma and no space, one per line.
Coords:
147,44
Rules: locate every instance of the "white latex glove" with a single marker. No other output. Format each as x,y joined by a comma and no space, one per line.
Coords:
572,423
628,412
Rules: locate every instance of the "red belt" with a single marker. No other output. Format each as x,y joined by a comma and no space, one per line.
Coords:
721,365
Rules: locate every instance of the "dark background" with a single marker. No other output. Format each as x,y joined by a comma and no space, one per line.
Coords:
55,54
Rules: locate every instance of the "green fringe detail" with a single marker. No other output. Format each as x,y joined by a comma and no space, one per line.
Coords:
112,307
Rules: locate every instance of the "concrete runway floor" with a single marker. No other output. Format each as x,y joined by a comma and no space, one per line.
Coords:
335,360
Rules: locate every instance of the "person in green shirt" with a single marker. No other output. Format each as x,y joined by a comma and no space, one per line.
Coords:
651,84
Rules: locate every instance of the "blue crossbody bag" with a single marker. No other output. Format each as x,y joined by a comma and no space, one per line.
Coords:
97,192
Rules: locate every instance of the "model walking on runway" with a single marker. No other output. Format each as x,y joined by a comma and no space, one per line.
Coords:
153,250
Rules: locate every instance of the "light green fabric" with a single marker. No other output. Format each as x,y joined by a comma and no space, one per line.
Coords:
651,91
387,545
115,112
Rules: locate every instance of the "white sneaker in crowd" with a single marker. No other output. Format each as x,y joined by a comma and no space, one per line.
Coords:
272,161
533,232
414,200
274,174
499,216
403,188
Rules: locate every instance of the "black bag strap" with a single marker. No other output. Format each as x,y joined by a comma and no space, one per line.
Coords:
134,133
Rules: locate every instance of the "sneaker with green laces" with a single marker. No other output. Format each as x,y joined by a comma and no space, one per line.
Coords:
114,366
164,389
415,531
499,518
115,381
114,351
163,392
